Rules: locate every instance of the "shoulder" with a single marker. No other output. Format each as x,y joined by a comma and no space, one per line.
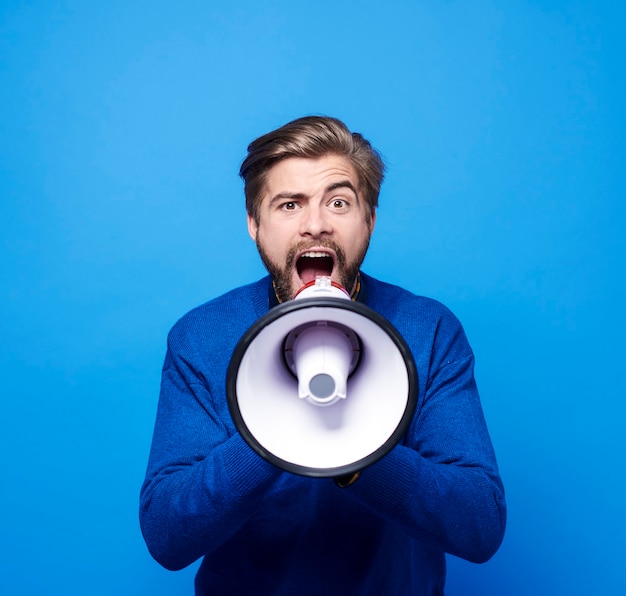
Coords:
428,326
390,300
226,316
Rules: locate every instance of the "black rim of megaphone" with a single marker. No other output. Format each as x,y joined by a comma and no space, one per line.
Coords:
300,304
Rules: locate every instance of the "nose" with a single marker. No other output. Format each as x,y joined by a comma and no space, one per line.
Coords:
315,222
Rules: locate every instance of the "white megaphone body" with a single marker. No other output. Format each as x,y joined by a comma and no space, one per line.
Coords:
322,386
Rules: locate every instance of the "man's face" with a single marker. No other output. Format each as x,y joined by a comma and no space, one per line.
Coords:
312,221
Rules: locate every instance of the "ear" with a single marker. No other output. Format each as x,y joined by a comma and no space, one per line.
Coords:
252,227
372,219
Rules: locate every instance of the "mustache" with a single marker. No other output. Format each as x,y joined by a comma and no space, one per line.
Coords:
308,244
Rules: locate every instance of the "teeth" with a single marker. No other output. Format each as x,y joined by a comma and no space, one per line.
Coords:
314,254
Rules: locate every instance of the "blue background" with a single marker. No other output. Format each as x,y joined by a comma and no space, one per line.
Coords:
122,126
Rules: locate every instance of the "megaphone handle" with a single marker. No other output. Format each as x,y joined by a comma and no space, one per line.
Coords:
346,480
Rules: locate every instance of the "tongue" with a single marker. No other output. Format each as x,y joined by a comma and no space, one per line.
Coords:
310,274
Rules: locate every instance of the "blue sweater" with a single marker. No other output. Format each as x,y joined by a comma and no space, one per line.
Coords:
265,531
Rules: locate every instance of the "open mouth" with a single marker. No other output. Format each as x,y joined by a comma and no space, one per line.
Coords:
312,264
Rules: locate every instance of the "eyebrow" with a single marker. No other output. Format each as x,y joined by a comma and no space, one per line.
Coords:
300,195
343,184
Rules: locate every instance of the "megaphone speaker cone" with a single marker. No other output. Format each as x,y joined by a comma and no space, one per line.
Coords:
322,387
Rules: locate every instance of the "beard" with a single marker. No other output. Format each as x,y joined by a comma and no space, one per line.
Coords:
346,271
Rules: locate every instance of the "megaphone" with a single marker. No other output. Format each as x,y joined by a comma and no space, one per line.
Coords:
322,386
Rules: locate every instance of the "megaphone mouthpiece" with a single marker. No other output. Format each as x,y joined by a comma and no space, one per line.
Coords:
322,287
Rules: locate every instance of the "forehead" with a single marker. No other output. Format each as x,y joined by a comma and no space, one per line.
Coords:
307,175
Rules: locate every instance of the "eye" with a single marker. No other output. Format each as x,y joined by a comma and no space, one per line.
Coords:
339,204
289,206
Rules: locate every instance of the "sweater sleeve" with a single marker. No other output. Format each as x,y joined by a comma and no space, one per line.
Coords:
442,483
203,482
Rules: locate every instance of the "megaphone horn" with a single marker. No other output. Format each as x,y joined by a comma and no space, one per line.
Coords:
322,386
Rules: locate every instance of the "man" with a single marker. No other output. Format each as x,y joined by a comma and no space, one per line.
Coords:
311,194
